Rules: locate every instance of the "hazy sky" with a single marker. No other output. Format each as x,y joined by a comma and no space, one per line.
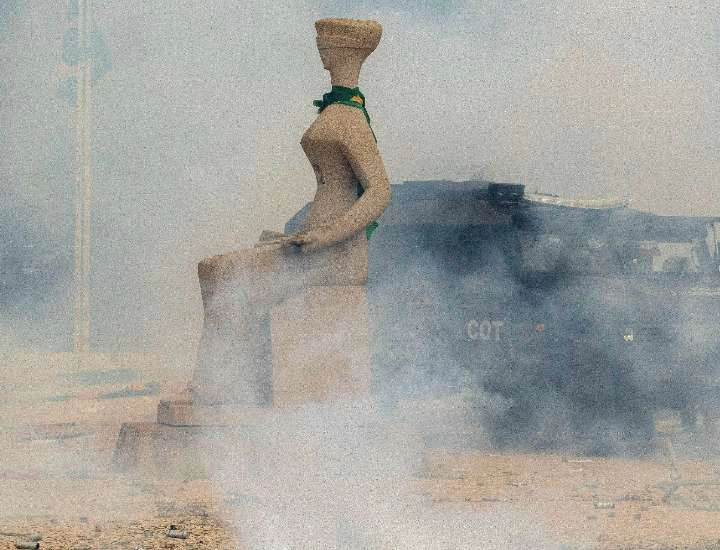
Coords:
196,126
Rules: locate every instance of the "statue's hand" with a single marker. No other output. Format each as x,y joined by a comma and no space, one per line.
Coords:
270,239
312,239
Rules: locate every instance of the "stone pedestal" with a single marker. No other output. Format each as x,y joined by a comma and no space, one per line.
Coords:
319,354
320,348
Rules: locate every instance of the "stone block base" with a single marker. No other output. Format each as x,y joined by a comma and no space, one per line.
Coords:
174,445
320,347
148,447
197,442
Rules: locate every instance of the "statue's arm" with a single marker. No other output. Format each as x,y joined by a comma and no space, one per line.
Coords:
358,146
361,152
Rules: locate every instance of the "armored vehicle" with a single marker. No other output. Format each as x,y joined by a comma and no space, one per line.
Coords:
571,323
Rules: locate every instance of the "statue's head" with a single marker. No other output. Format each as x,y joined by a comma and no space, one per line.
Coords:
343,41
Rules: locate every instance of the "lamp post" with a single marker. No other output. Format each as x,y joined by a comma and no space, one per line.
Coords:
83,181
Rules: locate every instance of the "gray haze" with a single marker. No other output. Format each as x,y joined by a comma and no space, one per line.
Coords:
196,129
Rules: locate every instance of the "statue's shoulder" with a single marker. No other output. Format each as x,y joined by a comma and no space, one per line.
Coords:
338,123
346,123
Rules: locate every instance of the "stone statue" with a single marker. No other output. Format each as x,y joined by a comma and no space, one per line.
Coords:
240,289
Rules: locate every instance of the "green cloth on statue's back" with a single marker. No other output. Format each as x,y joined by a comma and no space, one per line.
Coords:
354,98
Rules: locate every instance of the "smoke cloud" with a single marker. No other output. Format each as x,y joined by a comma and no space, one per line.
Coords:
342,476
195,143
196,126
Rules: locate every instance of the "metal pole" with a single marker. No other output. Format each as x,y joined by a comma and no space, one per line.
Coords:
83,187
77,248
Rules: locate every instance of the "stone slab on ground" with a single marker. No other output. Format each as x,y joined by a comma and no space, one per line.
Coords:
186,413
79,411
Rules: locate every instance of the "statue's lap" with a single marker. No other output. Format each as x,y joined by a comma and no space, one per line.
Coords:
341,264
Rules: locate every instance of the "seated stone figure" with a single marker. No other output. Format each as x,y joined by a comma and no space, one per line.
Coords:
239,289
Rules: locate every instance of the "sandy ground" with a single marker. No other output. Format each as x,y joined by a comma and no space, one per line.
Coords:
201,531
55,481
600,503
604,504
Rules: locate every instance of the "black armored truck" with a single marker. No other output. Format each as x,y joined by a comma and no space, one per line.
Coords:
571,322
